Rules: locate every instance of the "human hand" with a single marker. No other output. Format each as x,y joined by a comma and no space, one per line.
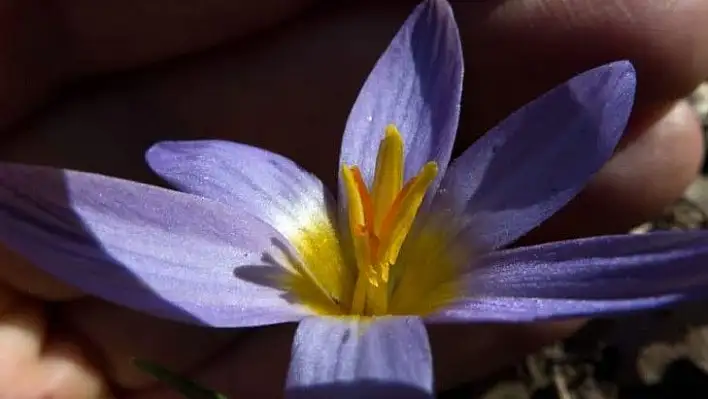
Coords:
302,77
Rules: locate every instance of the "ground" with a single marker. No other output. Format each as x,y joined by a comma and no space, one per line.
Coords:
661,354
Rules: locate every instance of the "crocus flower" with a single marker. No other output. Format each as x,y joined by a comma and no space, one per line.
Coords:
252,239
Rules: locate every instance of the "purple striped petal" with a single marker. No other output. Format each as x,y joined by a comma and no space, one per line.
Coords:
416,85
519,310
268,186
260,182
586,277
166,253
535,161
345,358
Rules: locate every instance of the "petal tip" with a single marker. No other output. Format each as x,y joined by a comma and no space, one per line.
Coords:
157,150
623,72
416,84
626,69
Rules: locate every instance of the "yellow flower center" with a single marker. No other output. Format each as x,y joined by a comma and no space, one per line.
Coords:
385,279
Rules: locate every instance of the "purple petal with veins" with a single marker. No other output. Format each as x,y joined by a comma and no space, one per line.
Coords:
166,253
260,182
346,358
530,165
416,85
585,277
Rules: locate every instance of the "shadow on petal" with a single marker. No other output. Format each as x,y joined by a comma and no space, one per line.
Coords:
37,221
270,276
361,389
535,161
285,272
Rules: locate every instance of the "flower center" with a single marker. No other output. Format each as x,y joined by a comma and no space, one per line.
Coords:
380,219
392,266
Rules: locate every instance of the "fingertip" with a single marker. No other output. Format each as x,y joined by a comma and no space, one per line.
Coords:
22,329
65,372
516,50
650,171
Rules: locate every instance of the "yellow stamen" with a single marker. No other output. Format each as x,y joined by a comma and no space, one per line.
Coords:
367,228
357,225
398,269
357,218
401,216
380,221
389,174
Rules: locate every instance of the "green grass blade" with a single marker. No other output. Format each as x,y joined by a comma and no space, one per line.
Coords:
189,389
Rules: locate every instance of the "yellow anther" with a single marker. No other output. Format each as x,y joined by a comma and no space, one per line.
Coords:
354,201
357,219
381,219
367,206
388,179
400,218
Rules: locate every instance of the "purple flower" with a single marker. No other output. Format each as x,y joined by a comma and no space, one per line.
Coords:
253,239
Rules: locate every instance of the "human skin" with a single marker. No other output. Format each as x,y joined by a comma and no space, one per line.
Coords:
283,76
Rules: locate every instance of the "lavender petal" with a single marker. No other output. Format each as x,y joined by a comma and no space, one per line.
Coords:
527,310
416,85
268,186
346,358
535,161
162,252
586,277
260,182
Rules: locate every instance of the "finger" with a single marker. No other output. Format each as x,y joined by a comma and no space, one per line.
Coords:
265,94
22,327
108,34
517,49
44,44
649,172
663,38
63,372
29,368
262,94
